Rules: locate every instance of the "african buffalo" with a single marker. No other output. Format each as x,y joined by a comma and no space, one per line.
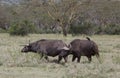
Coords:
86,48
48,48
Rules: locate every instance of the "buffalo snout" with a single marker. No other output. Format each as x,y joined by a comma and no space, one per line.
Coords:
25,49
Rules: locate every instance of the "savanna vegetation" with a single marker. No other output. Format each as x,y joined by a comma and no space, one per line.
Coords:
60,16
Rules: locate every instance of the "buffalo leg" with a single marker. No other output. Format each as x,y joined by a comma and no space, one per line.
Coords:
65,58
46,57
98,57
41,56
59,59
78,60
73,59
89,58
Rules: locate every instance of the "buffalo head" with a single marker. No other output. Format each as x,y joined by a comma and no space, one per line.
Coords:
26,48
65,51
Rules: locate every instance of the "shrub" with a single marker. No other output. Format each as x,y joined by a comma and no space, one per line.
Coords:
2,30
83,28
22,28
112,29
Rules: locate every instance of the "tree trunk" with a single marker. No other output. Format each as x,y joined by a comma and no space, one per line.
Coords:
64,31
64,27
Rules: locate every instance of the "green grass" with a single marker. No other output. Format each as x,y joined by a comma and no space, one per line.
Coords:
14,64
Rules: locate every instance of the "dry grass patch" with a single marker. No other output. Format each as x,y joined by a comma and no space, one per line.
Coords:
14,64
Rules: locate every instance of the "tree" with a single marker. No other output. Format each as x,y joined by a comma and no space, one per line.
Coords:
64,12
4,17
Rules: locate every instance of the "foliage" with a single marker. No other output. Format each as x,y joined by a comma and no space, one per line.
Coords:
22,28
3,30
44,14
112,29
64,12
83,28
90,29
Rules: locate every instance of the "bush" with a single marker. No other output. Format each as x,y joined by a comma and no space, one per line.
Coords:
112,29
3,30
83,28
22,28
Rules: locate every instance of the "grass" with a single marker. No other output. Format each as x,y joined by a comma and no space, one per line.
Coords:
14,64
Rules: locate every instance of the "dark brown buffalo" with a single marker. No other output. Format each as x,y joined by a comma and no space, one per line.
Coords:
48,48
86,48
